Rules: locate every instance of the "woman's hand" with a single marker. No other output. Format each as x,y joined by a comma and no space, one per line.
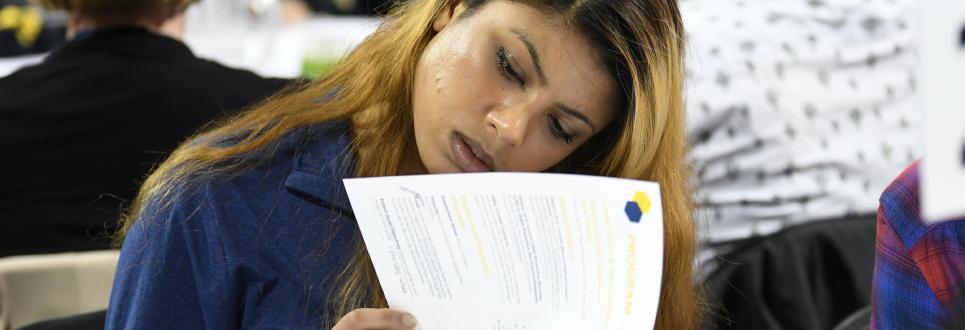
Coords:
376,319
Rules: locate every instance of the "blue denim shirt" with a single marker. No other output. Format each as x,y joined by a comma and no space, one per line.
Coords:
257,250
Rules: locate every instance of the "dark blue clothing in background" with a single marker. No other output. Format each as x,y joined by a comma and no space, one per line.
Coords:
252,251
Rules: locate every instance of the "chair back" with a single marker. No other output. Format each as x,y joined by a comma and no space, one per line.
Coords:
41,287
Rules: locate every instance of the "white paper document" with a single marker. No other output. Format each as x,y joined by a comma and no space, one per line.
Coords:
514,251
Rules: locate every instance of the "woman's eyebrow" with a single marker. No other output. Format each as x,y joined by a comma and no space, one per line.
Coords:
532,54
578,114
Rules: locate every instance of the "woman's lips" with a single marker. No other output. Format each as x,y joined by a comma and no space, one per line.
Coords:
467,157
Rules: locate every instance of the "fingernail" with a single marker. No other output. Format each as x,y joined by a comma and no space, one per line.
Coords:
408,320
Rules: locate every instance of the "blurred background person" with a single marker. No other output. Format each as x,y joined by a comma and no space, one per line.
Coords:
919,277
349,7
81,129
280,38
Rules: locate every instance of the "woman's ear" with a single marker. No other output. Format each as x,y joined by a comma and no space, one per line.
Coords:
449,14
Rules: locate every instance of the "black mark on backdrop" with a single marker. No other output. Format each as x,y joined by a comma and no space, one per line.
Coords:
961,38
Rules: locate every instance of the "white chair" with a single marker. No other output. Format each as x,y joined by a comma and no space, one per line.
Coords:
41,287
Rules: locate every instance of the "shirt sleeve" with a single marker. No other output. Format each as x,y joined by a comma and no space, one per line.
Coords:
917,279
173,271
900,295
940,256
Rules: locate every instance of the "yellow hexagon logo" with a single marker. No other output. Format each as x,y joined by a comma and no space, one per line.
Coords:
642,200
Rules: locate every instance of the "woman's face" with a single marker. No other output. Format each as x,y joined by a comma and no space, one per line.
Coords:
507,89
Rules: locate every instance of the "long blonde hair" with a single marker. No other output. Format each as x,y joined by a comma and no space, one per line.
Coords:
640,41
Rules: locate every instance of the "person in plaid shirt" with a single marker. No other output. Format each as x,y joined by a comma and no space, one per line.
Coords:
919,277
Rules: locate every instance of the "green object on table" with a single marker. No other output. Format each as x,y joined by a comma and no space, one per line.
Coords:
314,68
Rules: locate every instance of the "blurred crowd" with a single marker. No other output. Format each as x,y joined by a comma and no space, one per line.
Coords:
26,28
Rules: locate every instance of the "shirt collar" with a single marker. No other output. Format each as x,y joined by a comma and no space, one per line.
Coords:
322,159
132,42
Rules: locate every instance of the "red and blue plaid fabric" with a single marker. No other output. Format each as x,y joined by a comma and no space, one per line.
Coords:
919,278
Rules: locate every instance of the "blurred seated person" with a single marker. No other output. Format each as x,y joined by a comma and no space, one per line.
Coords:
82,129
237,15
25,29
919,277
350,7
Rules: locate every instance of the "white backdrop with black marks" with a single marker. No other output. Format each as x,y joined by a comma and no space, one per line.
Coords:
798,110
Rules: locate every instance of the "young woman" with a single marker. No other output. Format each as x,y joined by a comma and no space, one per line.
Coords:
248,224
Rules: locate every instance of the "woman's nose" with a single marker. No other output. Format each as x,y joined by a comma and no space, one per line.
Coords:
510,124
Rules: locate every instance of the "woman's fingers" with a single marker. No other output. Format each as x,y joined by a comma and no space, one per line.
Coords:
376,319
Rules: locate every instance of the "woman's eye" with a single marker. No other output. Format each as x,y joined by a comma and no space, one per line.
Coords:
558,132
502,62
